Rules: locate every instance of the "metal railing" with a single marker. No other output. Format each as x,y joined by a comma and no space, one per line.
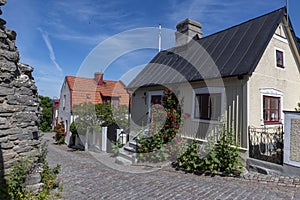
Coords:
266,144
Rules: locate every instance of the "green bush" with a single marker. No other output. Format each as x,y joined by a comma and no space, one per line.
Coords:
116,147
190,160
227,154
224,156
60,133
15,185
73,128
104,114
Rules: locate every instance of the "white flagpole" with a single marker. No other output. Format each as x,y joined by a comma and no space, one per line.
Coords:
159,37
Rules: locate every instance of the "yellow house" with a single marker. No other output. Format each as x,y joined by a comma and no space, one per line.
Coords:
243,76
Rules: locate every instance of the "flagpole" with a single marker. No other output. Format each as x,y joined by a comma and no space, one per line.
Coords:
159,37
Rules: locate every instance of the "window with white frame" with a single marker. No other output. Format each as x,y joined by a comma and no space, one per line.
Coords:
279,57
271,106
271,109
208,103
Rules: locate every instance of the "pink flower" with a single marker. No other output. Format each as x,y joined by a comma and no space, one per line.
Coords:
186,115
160,106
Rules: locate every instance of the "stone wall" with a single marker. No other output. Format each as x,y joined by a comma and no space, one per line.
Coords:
291,157
295,140
19,134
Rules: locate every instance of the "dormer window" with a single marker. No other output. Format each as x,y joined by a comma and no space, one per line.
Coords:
279,58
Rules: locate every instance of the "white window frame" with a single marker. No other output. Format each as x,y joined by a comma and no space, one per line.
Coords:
280,38
272,93
275,58
208,90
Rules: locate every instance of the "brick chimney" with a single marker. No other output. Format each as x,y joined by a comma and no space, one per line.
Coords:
98,77
186,30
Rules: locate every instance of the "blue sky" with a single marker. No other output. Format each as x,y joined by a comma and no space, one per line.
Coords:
117,37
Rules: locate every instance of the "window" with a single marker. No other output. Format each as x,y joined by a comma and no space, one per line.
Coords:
271,109
107,99
64,102
156,99
208,106
88,96
115,101
279,58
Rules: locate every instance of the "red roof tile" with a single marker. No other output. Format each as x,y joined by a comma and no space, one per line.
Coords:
86,90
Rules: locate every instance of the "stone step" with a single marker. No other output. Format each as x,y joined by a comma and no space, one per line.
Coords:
126,157
134,144
130,149
123,161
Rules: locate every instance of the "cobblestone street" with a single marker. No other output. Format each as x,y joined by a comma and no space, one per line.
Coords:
87,175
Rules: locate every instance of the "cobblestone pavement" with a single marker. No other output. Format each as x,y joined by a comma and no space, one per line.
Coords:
87,175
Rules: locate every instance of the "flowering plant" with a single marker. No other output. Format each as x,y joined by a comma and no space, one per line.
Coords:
60,133
165,124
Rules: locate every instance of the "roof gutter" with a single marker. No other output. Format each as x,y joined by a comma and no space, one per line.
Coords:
293,38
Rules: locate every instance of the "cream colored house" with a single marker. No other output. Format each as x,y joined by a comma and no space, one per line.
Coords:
243,76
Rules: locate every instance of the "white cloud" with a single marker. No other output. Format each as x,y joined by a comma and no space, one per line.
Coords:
88,22
108,51
50,49
47,80
215,15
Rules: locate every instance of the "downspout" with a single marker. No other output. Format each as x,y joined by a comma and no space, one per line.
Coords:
292,41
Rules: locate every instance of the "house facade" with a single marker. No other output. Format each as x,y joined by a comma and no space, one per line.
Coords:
243,76
78,90
55,108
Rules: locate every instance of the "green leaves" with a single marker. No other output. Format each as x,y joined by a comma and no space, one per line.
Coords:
46,116
222,157
91,115
60,133
190,160
15,185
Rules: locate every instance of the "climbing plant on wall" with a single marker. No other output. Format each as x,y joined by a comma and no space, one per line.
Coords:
160,137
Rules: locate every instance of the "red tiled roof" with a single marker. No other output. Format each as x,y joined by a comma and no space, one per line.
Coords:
86,90
55,103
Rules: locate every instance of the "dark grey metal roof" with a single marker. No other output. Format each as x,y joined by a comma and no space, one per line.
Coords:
231,52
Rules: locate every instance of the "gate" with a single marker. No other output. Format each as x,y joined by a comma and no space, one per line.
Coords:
111,137
266,144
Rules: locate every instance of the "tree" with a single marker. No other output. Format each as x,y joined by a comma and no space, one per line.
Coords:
91,115
46,116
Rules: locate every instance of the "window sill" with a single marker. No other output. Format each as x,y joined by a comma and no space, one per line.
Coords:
272,124
280,67
207,121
